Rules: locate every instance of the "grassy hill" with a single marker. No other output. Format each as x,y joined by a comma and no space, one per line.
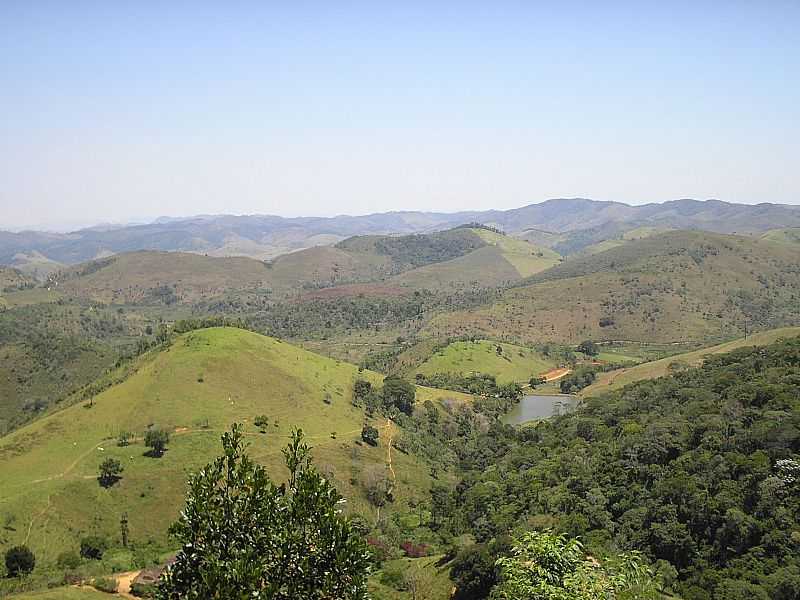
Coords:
513,364
194,388
675,286
613,380
789,235
160,277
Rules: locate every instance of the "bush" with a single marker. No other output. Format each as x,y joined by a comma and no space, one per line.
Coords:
19,561
93,547
124,439
69,559
105,584
370,435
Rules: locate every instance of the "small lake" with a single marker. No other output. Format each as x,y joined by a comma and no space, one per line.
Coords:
532,408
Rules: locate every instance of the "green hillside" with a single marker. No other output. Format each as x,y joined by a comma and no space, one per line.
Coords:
194,388
613,380
789,235
512,364
161,278
675,286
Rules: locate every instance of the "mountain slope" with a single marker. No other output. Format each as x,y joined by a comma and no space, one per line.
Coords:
194,388
264,237
676,286
613,380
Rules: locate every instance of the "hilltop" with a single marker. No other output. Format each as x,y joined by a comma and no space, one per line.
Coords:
673,286
573,223
193,388
463,255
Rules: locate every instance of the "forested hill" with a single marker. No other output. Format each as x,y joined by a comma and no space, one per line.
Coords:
699,470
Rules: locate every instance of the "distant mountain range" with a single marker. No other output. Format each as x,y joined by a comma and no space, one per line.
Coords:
567,225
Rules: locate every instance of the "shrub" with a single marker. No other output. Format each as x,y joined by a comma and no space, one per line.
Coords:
19,561
370,435
69,559
93,547
105,584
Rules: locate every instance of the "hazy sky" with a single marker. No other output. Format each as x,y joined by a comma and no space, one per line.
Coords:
113,112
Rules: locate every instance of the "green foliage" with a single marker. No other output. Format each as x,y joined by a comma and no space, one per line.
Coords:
243,536
546,566
370,435
588,347
93,547
105,584
399,393
156,439
110,471
699,471
19,561
69,559
577,380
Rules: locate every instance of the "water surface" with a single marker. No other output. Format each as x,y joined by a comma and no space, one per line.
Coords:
535,407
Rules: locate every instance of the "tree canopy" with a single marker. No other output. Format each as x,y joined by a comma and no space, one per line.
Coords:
243,536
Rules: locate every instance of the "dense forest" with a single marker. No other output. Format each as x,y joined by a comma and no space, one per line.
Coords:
700,471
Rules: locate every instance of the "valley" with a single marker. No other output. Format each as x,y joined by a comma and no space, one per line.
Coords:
429,371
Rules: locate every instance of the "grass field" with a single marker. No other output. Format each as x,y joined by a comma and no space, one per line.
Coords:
619,378
195,388
527,258
514,364
65,593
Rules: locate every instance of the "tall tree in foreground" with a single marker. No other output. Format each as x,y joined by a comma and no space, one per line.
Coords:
244,537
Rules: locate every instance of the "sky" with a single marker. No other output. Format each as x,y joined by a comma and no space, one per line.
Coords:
117,112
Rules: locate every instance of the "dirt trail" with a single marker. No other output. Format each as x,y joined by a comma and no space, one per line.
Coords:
556,374
389,452
124,581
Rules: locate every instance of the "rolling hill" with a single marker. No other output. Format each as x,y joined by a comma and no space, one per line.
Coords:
675,286
460,256
194,388
265,237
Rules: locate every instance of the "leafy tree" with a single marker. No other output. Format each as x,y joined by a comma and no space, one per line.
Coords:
546,566
399,393
370,435
110,470
588,347
19,561
245,537
156,440
377,485
93,547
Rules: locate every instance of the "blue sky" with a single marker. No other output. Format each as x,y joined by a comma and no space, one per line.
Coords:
113,112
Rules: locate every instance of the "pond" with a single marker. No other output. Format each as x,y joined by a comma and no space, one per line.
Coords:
531,408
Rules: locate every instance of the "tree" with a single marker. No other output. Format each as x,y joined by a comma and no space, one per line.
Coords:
242,536
110,470
370,435
588,347
19,561
377,485
156,440
399,393
546,566
93,547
